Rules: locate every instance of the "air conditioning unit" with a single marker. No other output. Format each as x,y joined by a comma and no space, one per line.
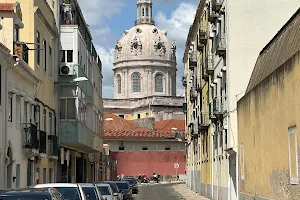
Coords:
67,70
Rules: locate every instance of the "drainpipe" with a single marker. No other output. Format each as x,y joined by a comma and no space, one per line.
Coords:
5,126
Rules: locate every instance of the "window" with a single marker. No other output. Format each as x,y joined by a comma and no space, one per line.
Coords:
38,51
44,175
63,56
136,82
37,116
45,122
69,56
68,108
51,175
122,116
121,148
25,111
18,109
45,55
158,83
168,148
143,12
139,116
147,12
10,108
293,155
50,124
144,148
119,83
50,62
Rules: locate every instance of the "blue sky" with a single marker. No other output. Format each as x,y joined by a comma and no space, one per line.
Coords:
109,18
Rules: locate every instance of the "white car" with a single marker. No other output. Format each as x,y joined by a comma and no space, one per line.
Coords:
106,191
70,191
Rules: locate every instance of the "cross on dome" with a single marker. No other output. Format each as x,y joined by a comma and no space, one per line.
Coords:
144,12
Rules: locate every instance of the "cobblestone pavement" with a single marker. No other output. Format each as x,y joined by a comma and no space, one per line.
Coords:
186,193
157,192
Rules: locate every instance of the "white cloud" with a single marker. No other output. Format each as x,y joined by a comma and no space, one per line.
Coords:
178,27
106,56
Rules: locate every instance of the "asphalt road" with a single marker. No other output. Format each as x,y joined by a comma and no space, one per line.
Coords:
157,192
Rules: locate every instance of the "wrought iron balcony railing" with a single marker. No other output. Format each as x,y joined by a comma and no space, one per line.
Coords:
30,136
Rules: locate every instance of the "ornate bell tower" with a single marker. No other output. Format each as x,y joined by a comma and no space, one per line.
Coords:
144,12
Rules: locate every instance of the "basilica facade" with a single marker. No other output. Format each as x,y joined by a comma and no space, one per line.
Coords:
145,72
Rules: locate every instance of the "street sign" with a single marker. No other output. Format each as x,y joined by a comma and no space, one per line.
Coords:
176,165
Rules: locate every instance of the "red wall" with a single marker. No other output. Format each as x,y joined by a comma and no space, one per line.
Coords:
149,162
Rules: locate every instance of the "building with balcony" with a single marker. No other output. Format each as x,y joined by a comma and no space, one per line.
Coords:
224,60
37,44
145,72
268,120
81,107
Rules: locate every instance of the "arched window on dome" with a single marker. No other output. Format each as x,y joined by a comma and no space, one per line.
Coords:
159,83
143,12
147,12
119,85
136,82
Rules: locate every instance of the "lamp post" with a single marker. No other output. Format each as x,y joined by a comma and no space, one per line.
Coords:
75,80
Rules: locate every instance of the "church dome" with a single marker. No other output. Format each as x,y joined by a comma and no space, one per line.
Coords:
144,42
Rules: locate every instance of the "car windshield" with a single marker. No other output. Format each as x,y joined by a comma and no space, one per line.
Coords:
104,190
122,186
69,193
27,197
113,187
90,193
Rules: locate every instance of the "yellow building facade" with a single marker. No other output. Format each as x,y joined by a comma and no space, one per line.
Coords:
268,120
40,36
196,80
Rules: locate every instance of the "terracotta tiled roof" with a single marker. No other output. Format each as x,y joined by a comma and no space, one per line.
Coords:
7,6
116,127
167,125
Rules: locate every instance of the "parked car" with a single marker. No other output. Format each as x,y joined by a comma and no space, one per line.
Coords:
115,189
70,191
133,184
125,189
31,194
106,190
91,191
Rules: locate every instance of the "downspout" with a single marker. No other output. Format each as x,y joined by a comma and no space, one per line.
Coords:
5,127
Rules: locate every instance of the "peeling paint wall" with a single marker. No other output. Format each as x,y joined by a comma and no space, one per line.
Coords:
264,117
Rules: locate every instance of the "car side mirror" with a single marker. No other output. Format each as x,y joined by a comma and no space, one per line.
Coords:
116,194
104,198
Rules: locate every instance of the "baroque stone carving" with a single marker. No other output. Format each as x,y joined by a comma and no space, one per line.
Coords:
159,47
136,46
118,50
173,48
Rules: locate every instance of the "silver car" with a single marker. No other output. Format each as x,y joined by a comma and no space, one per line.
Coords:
106,191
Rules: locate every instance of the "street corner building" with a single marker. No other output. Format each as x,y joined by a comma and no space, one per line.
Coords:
268,120
143,150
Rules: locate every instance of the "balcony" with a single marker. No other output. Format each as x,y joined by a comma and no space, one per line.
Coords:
193,92
203,34
216,5
52,146
204,72
192,61
212,16
218,106
42,142
30,137
21,50
203,121
77,136
209,62
221,46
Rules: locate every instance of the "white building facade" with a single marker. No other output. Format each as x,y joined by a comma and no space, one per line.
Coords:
81,106
238,30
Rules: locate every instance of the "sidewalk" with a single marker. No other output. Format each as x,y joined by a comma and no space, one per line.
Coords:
186,193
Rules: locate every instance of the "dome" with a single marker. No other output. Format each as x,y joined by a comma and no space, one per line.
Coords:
145,42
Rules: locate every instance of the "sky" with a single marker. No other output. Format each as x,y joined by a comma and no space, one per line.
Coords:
107,20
